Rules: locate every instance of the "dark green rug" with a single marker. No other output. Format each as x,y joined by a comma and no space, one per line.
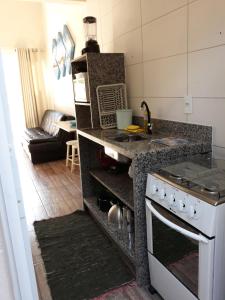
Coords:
80,261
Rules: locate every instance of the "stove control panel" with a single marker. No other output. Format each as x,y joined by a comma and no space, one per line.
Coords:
191,209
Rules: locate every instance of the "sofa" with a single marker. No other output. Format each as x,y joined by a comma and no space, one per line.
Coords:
47,142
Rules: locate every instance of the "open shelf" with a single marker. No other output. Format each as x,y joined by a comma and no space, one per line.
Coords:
113,232
121,185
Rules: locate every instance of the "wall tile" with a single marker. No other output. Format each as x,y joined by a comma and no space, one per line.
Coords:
105,6
115,2
108,47
130,44
207,73
134,103
210,112
206,24
152,9
92,8
166,36
107,28
218,152
134,80
126,16
166,77
167,108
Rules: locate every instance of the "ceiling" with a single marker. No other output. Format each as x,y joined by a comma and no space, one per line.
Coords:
53,1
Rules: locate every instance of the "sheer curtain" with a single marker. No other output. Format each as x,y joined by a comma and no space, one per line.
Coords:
33,90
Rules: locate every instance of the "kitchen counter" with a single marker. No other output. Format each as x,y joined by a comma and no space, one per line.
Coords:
147,156
131,149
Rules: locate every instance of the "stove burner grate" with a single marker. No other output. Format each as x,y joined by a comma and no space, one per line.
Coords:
210,191
176,177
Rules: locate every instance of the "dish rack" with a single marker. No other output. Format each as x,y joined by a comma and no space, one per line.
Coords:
110,98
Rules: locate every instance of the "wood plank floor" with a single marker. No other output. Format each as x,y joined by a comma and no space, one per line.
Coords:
51,190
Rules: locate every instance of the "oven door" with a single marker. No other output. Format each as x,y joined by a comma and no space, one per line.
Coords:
180,257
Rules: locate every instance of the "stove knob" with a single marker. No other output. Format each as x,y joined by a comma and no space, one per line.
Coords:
181,205
191,211
162,194
154,189
171,199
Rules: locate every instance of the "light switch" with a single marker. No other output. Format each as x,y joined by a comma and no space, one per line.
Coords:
188,104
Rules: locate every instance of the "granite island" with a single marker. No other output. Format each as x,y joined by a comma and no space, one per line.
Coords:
145,156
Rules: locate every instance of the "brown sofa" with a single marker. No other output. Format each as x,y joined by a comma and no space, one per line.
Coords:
47,142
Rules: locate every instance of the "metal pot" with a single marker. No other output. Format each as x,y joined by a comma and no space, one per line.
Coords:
115,216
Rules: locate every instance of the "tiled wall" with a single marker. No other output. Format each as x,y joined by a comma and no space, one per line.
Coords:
173,48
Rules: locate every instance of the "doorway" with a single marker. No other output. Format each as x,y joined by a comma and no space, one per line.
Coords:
48,190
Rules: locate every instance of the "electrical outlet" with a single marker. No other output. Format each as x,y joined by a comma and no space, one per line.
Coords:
188,104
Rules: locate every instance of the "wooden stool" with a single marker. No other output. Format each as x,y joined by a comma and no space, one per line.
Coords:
74,156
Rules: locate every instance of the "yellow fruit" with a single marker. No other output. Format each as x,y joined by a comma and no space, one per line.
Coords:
133,127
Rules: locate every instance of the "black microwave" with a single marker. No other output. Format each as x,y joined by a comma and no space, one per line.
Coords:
81,87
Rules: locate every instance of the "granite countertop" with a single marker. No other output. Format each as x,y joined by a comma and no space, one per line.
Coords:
106,137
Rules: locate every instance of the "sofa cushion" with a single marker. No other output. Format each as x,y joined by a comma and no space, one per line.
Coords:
49,119
37,135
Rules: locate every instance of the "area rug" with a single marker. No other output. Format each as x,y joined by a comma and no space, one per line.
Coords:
129,291
80,262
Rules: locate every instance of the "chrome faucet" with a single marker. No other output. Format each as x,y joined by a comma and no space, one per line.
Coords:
148,126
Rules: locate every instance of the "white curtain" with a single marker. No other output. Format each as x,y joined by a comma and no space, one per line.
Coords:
33,91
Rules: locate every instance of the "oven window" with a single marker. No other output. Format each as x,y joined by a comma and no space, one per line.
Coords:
175,251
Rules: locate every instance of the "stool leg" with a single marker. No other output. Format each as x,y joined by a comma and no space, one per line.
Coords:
67,155
73,158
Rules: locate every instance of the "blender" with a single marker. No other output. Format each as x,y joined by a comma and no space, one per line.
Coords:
90,29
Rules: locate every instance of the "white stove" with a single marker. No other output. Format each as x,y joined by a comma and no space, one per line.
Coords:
185,211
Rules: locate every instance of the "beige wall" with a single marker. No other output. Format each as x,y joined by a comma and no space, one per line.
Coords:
56,15
21,24
173,48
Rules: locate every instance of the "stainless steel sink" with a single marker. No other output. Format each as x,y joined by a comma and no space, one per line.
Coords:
128,138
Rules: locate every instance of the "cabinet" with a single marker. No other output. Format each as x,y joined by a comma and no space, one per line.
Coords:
101,68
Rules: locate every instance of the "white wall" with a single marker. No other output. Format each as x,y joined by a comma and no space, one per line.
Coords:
172,48
21,24
5,279
56,15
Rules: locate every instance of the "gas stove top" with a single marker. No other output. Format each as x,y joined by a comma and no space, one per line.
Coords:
202,174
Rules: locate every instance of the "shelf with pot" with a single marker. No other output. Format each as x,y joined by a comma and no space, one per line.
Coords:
111,229
120,185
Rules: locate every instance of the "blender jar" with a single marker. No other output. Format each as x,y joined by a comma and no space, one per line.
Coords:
90,30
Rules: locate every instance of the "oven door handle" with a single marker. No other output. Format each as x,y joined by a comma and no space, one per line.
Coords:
194,236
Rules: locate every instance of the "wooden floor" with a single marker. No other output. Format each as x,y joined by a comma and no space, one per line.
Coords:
51,190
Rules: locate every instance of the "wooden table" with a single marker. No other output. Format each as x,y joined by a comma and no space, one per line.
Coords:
66,125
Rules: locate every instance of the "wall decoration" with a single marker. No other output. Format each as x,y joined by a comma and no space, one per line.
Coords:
54,61
61,54
70,48
63,49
